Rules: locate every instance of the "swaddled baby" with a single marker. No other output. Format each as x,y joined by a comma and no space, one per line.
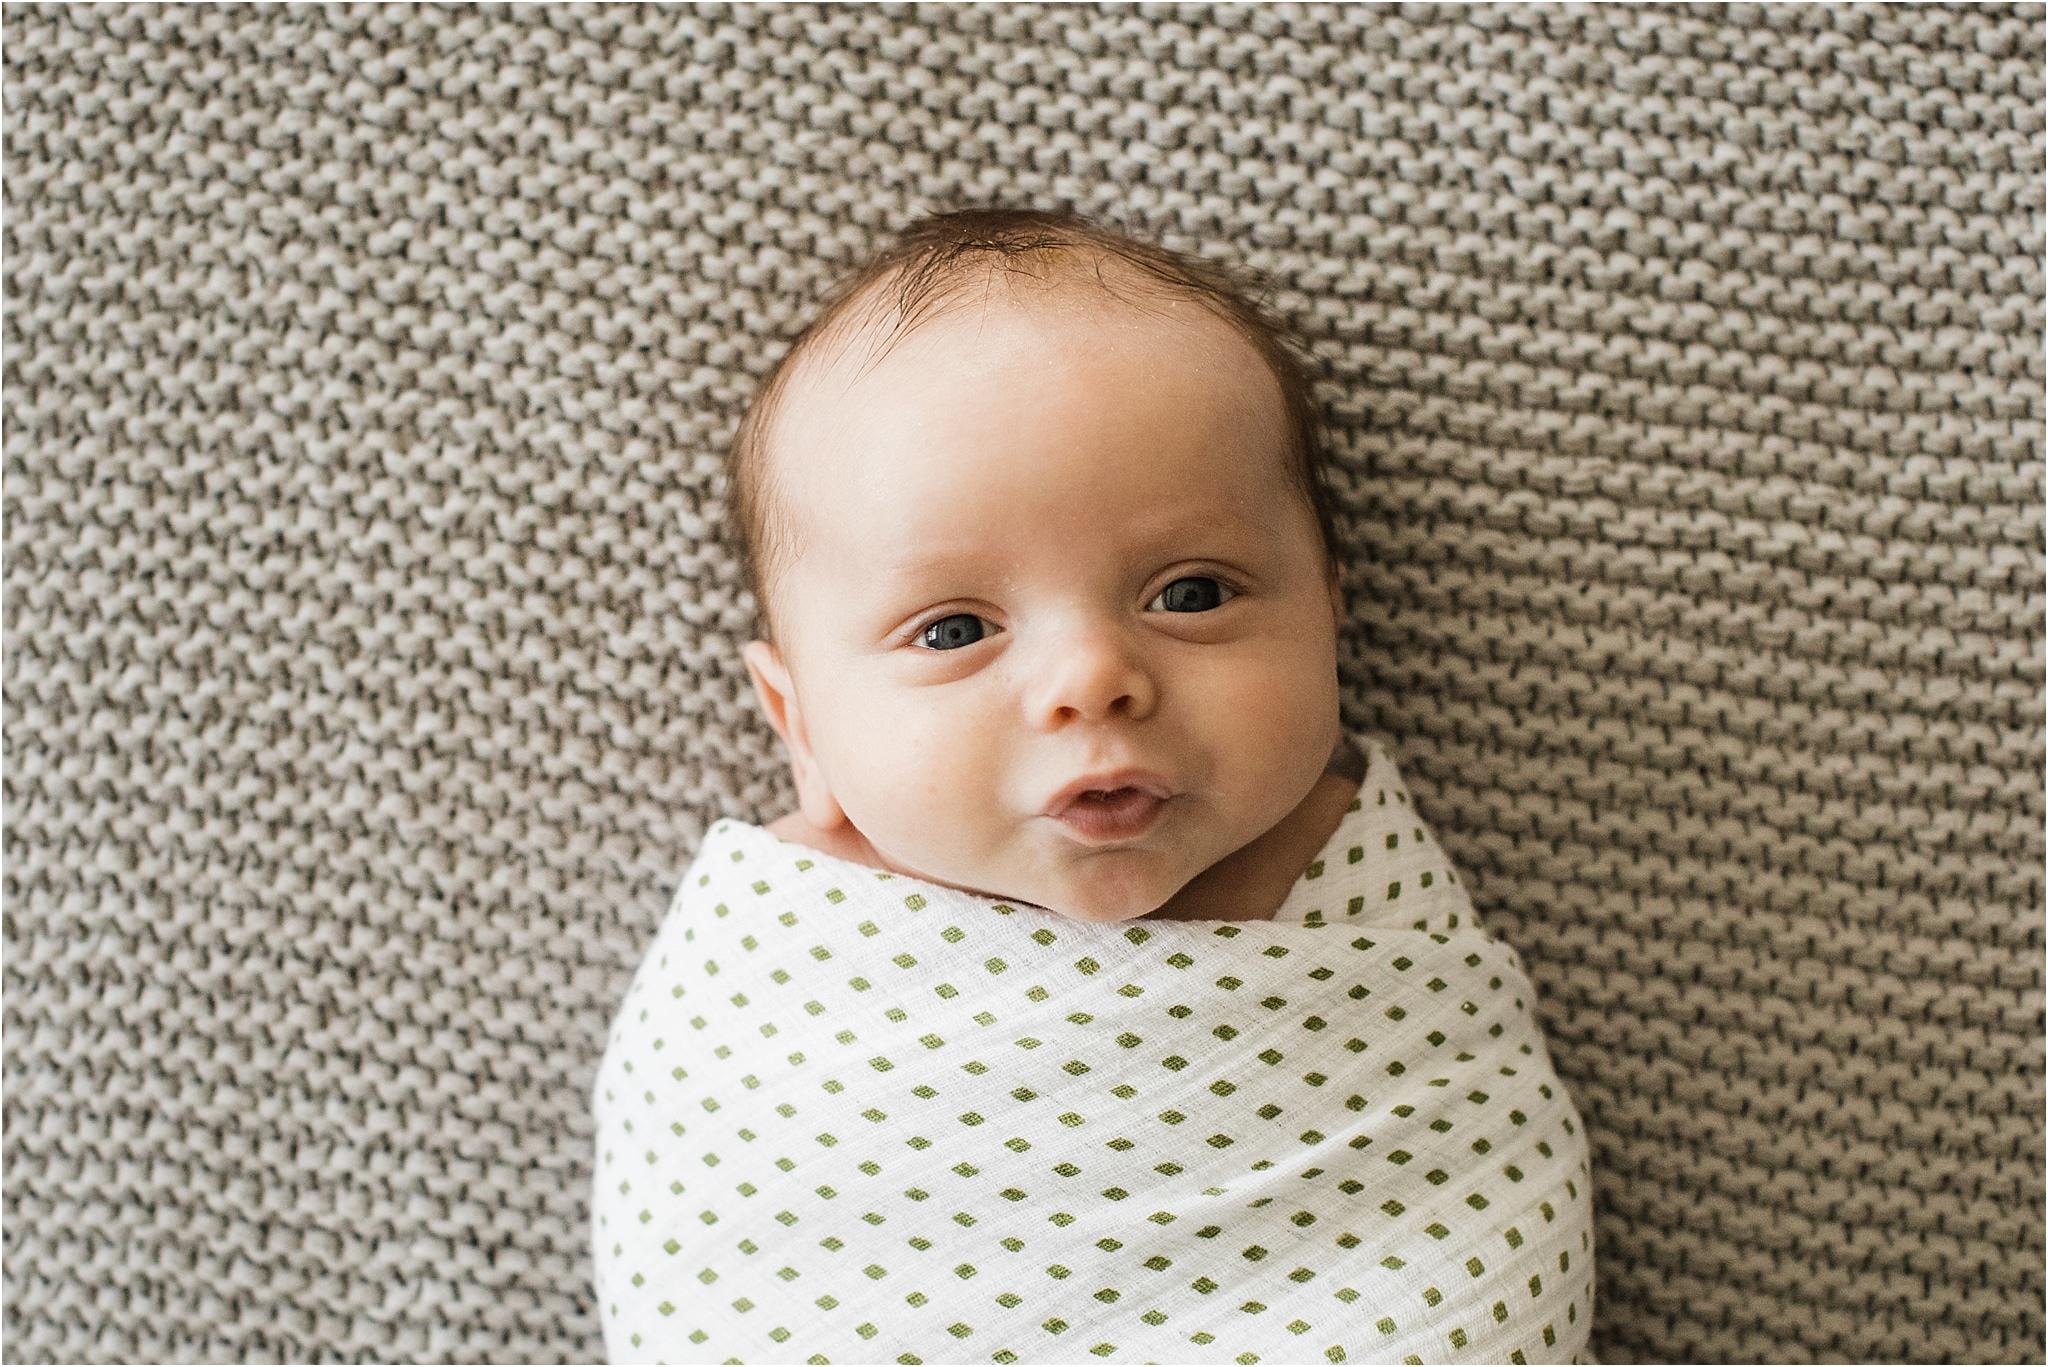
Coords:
1104,997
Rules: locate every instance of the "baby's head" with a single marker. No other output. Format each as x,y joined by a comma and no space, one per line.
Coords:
1031,501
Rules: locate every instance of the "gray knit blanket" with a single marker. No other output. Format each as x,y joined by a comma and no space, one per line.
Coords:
371,651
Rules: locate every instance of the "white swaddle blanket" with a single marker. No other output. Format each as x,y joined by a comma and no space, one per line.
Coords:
848,1116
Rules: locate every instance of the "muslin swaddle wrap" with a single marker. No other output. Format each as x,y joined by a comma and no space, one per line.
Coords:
848,1116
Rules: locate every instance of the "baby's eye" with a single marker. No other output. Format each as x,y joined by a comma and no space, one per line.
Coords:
1194,593
950,633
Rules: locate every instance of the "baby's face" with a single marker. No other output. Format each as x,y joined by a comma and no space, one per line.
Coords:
1035,543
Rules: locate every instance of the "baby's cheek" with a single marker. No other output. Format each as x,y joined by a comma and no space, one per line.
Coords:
925,806
1272,694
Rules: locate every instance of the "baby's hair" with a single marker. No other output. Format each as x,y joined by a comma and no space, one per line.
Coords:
932,263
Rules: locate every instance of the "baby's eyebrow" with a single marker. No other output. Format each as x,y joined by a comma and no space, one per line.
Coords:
1235,535
917,563
1239,529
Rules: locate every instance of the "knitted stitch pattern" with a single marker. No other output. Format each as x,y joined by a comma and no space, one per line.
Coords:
372,656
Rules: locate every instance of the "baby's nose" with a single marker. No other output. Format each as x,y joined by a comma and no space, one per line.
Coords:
1092,676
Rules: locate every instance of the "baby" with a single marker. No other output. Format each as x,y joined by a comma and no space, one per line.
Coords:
1104,998
1063,529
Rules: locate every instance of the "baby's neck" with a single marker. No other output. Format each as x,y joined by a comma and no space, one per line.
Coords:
1249,884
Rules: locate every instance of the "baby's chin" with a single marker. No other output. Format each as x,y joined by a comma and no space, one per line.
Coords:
1103,893
1101,905
1107,901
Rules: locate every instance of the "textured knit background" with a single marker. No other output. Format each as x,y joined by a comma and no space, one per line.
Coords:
371,657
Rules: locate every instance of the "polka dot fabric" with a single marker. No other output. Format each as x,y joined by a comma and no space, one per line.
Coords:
848,1116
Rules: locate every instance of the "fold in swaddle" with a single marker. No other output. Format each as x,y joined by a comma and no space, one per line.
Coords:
848,1116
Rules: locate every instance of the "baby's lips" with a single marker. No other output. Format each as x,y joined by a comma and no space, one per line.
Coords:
1126,816
1108,781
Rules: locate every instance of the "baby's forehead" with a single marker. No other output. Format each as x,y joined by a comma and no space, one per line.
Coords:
942,403
826,421
1037,396
1068,316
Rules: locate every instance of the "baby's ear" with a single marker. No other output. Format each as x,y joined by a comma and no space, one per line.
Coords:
771,686
779,704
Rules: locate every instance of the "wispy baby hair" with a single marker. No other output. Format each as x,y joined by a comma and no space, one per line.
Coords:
934,264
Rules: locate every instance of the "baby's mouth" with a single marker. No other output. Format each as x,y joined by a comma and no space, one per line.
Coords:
1112,815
